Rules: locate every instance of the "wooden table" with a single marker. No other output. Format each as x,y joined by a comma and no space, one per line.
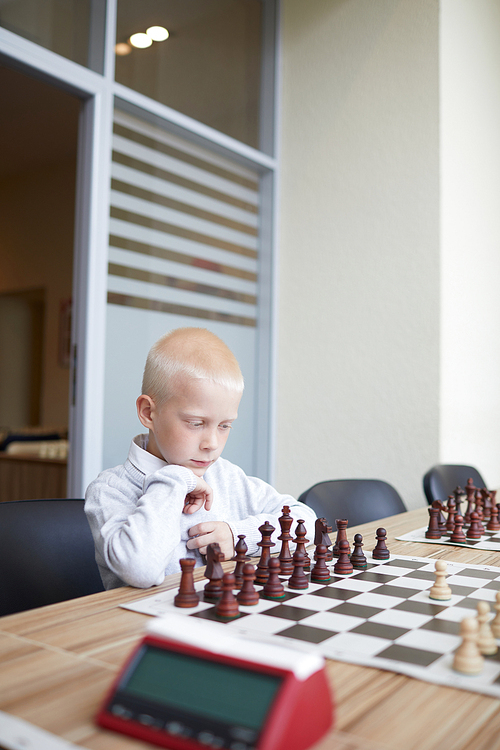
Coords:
57,662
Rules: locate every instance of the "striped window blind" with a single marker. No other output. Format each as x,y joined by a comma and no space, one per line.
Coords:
184,224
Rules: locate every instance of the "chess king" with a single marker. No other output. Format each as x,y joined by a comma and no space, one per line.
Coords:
175,494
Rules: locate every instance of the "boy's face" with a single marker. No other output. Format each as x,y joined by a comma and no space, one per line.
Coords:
191,428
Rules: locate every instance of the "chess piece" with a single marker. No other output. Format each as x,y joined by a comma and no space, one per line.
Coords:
485,638
320,572
341,535
301,541
298,579
319,526
468,659
328,543
227,606
262,568
241,558
433,530
187,596
458,494
458,536
214,572
381,552
493,523
248,596
440,590
343,566
358,559
469,491
441,518
322,533
273,588
285,557
451,510
486,503
495,624
474,530
479,510
479,502
441,522
493,495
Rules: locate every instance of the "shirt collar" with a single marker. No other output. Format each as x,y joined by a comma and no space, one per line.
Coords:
138,455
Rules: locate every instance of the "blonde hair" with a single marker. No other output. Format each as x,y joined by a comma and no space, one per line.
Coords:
192,352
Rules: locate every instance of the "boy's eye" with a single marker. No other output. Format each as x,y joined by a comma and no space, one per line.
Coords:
225,426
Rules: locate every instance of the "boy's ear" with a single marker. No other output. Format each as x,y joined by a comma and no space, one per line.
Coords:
145,406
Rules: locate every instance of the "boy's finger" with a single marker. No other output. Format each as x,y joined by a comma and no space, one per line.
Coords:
198,542
193,543
191,507
205,527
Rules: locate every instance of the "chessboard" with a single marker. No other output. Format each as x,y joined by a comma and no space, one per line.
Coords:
379,617
489,541
477,528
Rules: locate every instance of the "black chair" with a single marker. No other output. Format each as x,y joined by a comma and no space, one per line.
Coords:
46,554
442,479
358,500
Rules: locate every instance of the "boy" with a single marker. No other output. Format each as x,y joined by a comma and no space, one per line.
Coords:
174,494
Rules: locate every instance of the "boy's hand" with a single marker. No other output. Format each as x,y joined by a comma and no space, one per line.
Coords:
202,495
209,532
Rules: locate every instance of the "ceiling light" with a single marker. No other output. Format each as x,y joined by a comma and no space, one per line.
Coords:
122,48
157,33
140,40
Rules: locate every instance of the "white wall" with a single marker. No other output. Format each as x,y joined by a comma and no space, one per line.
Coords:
470,238
358,359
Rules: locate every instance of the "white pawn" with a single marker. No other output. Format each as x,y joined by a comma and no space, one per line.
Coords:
485,640
495,625
440,590
468,659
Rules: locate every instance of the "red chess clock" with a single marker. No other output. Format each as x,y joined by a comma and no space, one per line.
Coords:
193,685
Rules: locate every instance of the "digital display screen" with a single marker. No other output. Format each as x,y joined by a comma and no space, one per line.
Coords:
205,688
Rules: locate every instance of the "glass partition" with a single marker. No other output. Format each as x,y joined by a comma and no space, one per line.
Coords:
71,28
183,251
210,65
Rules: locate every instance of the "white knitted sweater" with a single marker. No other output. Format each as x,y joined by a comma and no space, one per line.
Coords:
139,529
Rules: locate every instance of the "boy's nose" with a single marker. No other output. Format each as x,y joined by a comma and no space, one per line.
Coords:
209,440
